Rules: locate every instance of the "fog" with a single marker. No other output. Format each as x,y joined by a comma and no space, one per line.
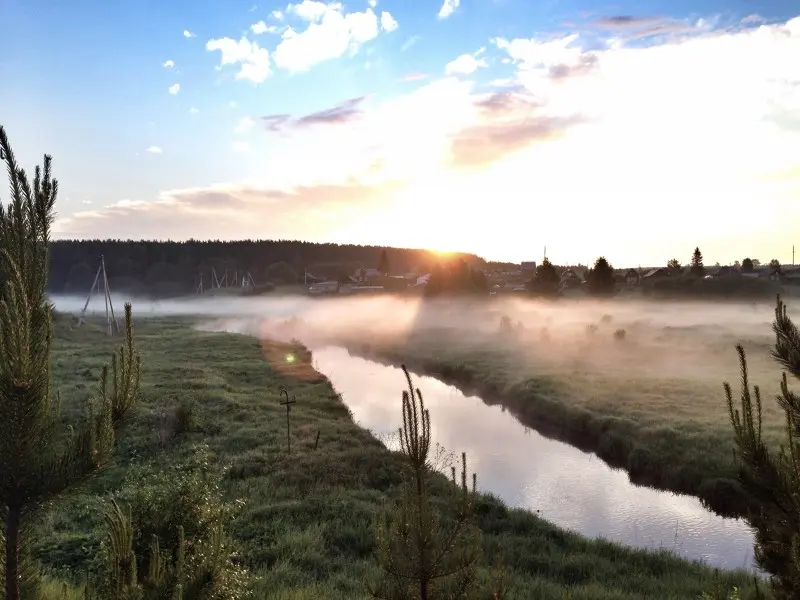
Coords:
665,339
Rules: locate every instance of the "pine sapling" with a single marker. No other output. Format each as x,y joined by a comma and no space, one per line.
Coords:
424,554
772,479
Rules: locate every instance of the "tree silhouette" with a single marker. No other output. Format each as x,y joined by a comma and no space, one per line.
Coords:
39,462
383,263
747,265
545,281
696,268
601,278
772,479
674,265
775,264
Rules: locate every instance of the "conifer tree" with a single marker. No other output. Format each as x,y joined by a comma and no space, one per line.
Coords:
696,267
425,555
772,479
545,281
37,461
383,263
601,278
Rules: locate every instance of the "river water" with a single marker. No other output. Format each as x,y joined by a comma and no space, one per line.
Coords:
564,485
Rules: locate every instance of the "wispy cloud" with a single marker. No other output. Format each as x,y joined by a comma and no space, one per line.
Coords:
154,150
193,110
345,112
409,42
168,64
188,34
174,88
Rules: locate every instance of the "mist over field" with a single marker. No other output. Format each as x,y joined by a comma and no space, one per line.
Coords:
662,339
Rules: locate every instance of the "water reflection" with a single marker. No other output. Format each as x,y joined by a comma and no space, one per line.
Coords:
568,487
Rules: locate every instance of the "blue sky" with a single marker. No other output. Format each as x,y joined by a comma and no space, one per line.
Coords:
566,123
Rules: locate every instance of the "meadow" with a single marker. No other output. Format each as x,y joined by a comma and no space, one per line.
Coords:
638,383
304,520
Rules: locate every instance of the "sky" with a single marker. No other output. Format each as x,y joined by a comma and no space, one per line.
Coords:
633,130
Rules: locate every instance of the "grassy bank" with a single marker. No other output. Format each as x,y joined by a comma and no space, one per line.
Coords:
651,403
305,525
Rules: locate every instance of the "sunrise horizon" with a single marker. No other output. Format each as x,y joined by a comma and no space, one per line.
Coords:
489,127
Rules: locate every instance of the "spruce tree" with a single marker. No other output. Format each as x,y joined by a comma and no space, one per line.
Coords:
601,278
696,267
38,460
546,281
423,554
383,263
772,479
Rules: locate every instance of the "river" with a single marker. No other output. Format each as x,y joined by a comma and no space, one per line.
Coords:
568,487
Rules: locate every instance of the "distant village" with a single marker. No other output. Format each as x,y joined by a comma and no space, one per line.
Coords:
514,280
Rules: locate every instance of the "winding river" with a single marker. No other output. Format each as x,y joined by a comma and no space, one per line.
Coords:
564,485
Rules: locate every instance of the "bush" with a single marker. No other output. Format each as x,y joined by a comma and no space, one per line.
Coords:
185,501
619,335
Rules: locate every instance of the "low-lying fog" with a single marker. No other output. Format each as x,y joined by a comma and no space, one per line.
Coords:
671,339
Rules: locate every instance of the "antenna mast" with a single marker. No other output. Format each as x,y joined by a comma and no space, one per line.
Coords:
111,320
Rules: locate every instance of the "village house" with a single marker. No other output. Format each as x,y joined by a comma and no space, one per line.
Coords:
631,278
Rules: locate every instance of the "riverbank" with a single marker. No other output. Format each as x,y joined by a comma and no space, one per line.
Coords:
304,529
668,429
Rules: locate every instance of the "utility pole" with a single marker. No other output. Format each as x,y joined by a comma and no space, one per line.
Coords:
111,319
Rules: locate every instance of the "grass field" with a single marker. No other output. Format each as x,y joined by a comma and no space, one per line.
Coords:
651,403
305,525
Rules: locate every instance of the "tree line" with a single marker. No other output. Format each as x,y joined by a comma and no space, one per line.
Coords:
175,268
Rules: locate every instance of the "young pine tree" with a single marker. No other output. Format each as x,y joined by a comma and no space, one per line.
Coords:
425,555
38,462
772,479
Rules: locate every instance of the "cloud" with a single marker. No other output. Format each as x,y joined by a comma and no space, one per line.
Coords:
174,88
168,64
86,201
483,145
261,28
647,26
252,59
410,42
193,110
466,64
331,32
188,34
277,15
448,8
154,150
234,212
754,18
345,112
574,133
388,22
244,125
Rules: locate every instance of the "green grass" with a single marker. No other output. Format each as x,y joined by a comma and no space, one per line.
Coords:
305,528
652,404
